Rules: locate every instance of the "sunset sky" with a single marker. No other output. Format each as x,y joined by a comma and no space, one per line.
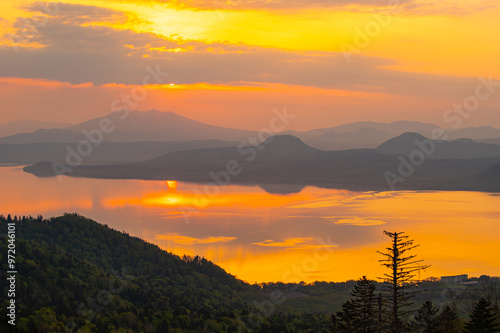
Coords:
231,62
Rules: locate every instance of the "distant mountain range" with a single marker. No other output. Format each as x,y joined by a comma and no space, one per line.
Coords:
164,145
287,160
368,134
28,126
133,126
363,134
153,125
105,153
407,143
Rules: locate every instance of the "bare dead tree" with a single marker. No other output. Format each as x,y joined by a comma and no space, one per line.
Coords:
401,278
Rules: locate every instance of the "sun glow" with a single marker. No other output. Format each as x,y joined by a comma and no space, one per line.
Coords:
172,185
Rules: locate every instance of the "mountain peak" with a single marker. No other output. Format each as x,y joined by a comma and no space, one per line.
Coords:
156,125
403,143
286,143
409,136
464,140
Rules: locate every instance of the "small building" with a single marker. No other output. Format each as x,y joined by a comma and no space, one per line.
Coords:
455,278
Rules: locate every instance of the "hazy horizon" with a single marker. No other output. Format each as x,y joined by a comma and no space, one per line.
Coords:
292,127
227,63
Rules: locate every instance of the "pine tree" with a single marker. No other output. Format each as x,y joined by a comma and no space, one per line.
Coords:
482,318
346,318
426,319
360,313
365,306
448,321
333,324
400,280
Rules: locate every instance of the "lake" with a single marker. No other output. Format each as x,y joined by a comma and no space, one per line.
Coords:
260,235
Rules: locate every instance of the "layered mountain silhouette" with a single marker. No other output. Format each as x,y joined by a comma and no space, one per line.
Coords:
364,134
53,135
154,125
368,134
288,160
133,126
104,153
28,126
407,143
476,133
164,145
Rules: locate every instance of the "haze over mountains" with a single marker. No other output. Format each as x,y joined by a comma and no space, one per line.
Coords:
164,145
133,126
153,125
28,126
287,160
104,153
406,143
368,134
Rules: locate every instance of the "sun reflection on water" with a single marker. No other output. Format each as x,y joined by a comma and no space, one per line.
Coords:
259,236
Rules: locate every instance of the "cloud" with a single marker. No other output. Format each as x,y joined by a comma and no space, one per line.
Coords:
185,240
446,8
274,4
303,243
357,221
405,7
76,13
75,53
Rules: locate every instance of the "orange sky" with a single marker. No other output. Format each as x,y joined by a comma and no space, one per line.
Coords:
230,63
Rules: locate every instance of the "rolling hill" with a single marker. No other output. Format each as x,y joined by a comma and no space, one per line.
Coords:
288,160
78,275
28,126
407,143
105,153
367,134
134,126
154,125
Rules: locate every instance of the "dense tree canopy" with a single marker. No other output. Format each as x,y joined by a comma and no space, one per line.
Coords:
75,275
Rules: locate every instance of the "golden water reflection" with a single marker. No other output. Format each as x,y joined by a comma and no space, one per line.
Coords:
317,234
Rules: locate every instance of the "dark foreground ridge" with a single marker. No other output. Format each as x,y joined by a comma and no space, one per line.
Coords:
75,275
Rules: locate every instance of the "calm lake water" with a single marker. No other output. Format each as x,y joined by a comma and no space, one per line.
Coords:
316,234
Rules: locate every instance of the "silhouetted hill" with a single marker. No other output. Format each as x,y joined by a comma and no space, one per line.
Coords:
287,160
402,144
105,153
274,148
495,141
407,143
130,126
154,125
286,144
365,137
43,136
28,126
368,134
363,134
490,176
476,133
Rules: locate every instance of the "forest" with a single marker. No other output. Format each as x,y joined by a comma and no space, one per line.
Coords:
76,275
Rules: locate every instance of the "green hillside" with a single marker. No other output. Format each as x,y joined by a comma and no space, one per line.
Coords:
76,275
